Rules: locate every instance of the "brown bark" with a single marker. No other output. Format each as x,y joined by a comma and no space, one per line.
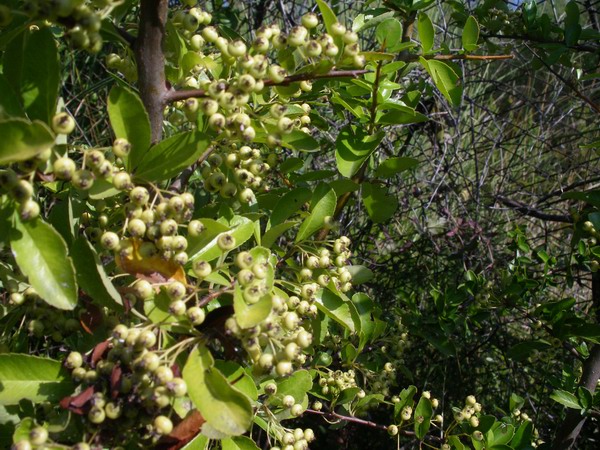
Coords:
150,61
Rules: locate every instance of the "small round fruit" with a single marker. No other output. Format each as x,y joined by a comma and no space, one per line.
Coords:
110,240
271,389
288,401
226,242
284,368
64,168
29,210
122,181
163,425
63,123
96,415
392,430
121,147
74,360
201,268
296,410
196,315
310,20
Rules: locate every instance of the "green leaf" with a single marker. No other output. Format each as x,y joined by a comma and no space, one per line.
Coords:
10,101
91,275
329,18
360,274
516,401
301,141
426,32
241,232
522,350
456,444
523,435
406,399
200,442
445,78
470,34
291,202
353,147
271,236
379,205
501,433
31,66
337,309
247,315
422,417
223,406
389,33
22,140
565,398
322,205
400,115
169,157
364,306
296,385
572,26
32,378
392,166
238,443
129,120
41,254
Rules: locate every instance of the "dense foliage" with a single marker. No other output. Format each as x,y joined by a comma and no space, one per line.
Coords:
278,225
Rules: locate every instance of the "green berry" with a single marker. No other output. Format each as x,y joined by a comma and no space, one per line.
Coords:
63,123
163,425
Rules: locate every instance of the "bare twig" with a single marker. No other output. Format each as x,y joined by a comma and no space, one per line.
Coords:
532,212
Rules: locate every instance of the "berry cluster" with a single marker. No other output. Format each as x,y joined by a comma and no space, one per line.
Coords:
128,384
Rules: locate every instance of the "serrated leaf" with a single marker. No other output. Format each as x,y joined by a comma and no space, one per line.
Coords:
223,406
91,275
470,34
426,32
129,120
323,204
41,254
22,140
170,156
32,378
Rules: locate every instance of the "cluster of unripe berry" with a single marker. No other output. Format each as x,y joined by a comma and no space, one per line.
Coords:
470,413
234,172
322,265
332,383
592,240
81,19
42,319
134,386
